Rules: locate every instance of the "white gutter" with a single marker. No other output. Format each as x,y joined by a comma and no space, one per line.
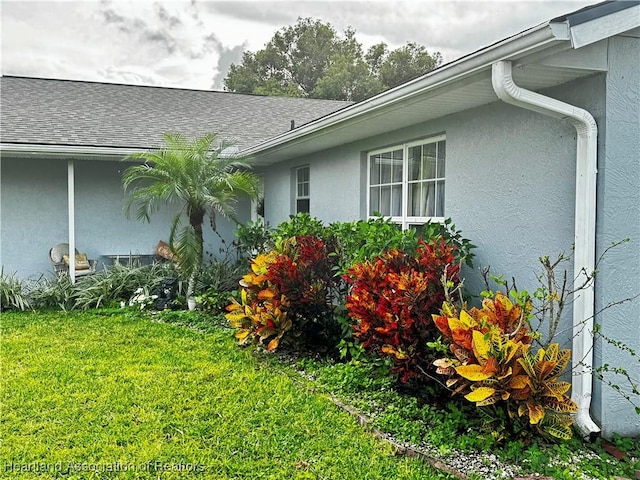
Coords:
66,150
585,222
78,151
524,43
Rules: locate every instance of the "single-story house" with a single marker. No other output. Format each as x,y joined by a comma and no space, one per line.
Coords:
66,140
530,145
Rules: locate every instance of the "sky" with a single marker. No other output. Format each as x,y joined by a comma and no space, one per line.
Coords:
192,43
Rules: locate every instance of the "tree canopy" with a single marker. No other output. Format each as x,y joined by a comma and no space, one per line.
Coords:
310,59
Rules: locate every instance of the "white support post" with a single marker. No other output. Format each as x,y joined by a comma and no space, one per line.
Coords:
72,222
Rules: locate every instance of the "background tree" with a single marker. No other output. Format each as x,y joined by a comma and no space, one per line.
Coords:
347,76
201,177
310,59
403,64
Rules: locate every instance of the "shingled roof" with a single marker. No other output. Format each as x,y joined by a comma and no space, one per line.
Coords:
89,114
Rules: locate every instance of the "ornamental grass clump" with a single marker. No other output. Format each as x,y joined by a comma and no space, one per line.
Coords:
492,364
14,293
391,302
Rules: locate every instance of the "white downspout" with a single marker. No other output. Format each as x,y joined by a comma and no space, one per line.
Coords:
585,228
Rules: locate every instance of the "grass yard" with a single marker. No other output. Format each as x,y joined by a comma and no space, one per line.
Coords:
116,395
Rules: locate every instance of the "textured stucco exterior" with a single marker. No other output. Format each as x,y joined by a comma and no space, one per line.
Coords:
34,215
510,188
510,182
618,275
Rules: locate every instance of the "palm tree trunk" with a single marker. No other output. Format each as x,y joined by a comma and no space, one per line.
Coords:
191,301
196,219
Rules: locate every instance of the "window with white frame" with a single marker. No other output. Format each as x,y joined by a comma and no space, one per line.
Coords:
302,190
406,182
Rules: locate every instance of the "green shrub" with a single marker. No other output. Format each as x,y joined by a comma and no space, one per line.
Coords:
220,275
301,225
215,301
364,240
367,239
217,282
253,238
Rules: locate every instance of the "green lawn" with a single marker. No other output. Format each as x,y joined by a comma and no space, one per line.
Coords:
95,395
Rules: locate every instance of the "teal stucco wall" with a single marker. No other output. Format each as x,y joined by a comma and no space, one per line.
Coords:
34,215
618,204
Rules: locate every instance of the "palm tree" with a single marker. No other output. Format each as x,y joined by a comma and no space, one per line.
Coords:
201,177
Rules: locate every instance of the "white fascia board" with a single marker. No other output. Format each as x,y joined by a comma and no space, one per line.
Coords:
67,150
605,27
515,47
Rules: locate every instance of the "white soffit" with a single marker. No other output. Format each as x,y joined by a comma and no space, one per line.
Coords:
591,57
472,92
604,27
635,33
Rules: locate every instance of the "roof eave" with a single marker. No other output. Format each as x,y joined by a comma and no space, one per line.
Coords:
81,152
623,18
529,41
67,151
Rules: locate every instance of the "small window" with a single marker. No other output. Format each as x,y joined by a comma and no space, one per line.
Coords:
406,182
302,190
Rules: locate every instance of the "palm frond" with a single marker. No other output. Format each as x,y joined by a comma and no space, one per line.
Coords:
199,174
186,246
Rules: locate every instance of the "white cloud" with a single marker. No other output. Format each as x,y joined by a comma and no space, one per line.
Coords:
130,42
192,43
